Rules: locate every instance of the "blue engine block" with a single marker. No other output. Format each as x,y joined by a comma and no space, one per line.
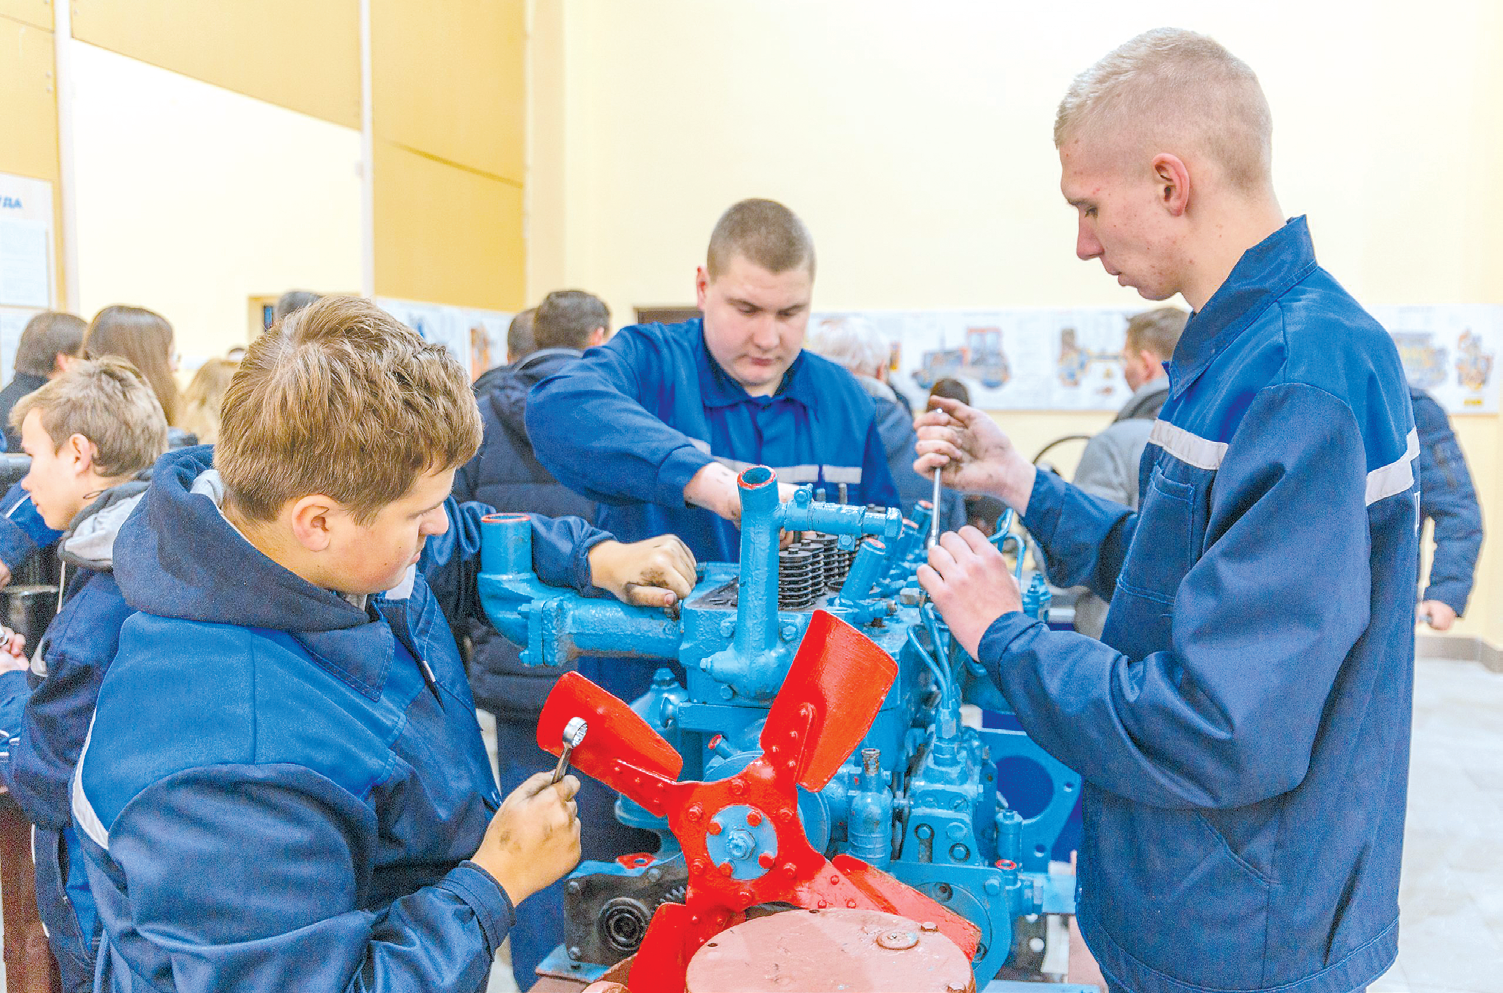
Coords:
925,797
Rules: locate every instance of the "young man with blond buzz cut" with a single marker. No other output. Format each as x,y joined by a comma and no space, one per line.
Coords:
1243,725
285,786
92,434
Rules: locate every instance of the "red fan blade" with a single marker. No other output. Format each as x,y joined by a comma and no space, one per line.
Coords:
662,961
620,749
905,901
834,688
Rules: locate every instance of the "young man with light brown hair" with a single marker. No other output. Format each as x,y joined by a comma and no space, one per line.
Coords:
1242,726
92,432
311,806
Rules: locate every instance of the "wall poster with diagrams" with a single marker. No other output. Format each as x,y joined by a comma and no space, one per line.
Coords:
1066,359
27,286
476,337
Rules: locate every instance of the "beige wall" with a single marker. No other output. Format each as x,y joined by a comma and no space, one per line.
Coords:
915,141
193,198
28,92
450,112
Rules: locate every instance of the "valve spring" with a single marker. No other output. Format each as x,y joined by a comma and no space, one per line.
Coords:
827,562
797,588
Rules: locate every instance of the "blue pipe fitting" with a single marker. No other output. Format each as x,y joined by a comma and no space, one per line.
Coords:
555,625
1036,599
870,561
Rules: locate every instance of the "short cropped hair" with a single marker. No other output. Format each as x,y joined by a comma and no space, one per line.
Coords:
519,340
144,339
852,342
1178,86
291,302
108,402
341,399
952,389
1156,331
565,319
763,232
46,336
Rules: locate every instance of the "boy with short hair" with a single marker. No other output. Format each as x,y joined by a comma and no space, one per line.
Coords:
92,433
310,807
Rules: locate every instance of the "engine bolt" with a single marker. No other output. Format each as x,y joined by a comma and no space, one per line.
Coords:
753,818
714,827
765,860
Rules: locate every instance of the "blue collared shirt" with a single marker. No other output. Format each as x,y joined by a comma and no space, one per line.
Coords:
632,422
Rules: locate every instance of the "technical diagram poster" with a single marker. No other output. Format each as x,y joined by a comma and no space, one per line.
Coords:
1021,359
476,337
1067,358
1450,352
25,242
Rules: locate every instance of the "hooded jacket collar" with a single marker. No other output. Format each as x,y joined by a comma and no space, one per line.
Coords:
177,556
1263,274
507,392
90,541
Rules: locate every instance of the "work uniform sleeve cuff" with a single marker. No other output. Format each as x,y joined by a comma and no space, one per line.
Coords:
492,906
1044,504
676,471
581,570
1450,595
1000,636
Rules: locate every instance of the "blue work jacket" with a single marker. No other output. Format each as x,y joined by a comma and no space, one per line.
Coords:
22,530
281,787
1448,498
44,719
631,422
1243,726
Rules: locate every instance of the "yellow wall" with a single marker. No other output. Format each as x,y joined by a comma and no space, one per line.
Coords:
28,92
292,53
192,198
915,142
449,106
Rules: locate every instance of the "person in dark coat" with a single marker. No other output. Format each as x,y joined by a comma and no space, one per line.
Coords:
1448,499
507,475
48,342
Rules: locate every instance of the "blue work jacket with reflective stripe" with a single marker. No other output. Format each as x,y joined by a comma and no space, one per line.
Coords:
1243,726
632,422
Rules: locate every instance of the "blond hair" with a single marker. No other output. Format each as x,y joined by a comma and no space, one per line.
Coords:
144,339
341,399
108,402
1176,86
1156,331
203,396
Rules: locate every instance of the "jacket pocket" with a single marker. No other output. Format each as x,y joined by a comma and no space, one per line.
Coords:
1163,546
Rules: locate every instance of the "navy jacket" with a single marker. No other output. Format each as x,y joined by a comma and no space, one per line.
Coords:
632,422
1243,726
506,475
281,788
1447,498
45,719
22,530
